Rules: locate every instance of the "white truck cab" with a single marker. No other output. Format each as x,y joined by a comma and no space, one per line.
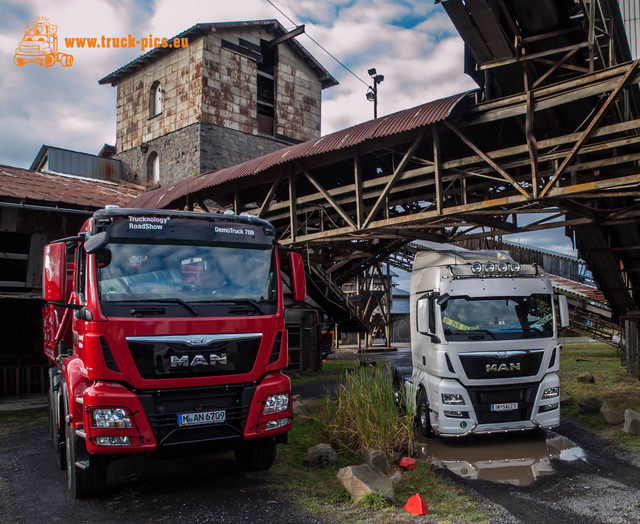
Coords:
484,344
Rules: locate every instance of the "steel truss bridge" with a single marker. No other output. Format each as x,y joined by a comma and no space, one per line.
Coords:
552,133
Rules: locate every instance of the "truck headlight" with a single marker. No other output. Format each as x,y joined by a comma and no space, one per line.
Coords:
110,418
112,441
551,392
275,424
276,404
452,399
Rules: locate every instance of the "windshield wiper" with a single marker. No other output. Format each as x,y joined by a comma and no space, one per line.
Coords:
237,301
186,305
482,331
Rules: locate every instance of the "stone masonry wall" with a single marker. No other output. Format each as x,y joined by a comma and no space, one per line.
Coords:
298,98
180,75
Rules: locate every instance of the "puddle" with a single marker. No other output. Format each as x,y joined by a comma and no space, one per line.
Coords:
517,460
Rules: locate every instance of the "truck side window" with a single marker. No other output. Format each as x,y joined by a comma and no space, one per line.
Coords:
426,315
80,272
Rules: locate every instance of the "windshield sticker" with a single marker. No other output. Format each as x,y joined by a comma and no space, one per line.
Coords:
457,325
147,222
235,231
543,321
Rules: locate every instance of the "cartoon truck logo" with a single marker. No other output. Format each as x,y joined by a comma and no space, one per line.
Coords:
40,45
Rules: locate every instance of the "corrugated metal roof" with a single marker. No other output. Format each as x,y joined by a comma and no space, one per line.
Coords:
572,287
385,126
22,185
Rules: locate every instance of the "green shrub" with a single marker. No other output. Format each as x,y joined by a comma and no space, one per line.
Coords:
366,413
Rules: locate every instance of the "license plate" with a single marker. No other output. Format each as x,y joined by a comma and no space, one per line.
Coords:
510,406
205,417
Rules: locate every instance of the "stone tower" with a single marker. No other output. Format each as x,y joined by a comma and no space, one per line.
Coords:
217,95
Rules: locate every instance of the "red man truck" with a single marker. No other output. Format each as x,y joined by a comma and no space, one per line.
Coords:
166,331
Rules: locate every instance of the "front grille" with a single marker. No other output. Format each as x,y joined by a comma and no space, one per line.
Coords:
195,355
501,364
482,398
162,408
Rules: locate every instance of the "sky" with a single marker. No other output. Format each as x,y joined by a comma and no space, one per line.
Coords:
411,42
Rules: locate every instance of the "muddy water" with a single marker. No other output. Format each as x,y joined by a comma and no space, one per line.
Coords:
517,460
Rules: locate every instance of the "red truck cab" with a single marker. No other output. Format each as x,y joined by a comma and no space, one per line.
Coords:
165,330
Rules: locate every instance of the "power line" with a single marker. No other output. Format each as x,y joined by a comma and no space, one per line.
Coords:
316,42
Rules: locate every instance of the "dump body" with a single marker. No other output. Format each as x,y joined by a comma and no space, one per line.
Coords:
484,343
166,332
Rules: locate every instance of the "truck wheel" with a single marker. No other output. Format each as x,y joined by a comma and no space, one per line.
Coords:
256,455
61,448
86,474
18,61
66,60
48,61
422,415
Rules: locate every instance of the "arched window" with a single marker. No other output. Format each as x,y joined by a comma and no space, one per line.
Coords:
155,99
153,169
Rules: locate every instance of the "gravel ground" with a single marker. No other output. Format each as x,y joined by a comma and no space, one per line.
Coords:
605,487
195,490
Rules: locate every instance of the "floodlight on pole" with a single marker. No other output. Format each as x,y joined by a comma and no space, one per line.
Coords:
372,93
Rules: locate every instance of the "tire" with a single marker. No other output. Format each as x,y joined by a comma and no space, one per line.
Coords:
18,61
66,60
48,61
256,455
61,448
90,480
423,418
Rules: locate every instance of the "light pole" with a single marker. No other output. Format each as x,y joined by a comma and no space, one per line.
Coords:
372,93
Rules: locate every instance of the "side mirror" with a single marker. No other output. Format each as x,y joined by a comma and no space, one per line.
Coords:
563,309
96,242
423,315
298,284
54,272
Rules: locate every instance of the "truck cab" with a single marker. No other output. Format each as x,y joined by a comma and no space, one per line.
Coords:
484,344
165,330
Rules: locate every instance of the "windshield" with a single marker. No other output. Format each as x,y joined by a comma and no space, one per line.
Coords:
465,318
186,274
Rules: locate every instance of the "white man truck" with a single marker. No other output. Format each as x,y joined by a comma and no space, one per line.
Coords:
484,344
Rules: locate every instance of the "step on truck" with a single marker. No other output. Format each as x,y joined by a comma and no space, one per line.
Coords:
484,344
165,331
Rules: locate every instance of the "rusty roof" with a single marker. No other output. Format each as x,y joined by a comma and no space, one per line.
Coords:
395,123
30,187
198,30
590,293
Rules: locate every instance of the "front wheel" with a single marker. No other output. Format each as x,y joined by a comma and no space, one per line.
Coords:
86,474
423,417
256,455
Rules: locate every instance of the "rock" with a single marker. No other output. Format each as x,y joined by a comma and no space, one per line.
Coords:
298,408
565,398
321,455
396,478
363,479
375,457
610,415
586,377
631,421
590,405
